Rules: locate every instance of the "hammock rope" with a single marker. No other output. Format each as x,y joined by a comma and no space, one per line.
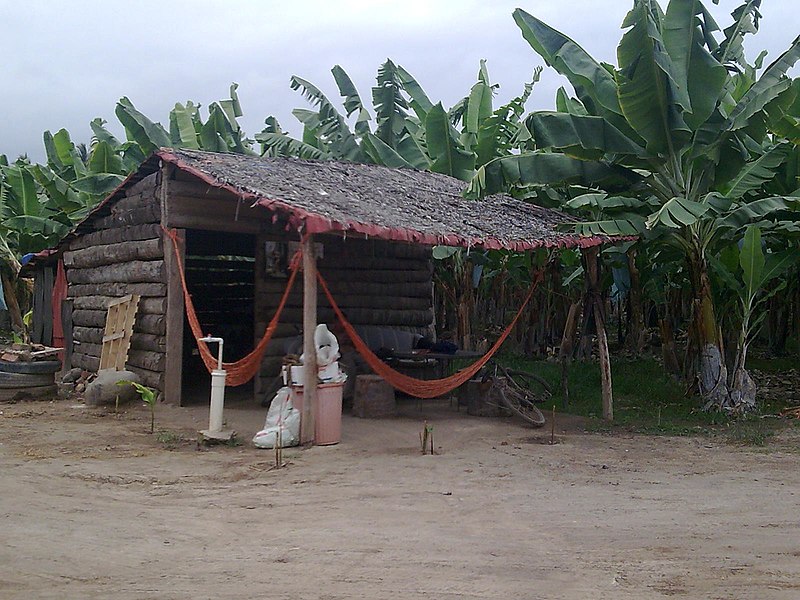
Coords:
423,388
244,369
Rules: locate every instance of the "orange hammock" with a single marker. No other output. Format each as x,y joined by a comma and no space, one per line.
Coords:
421,388
244,369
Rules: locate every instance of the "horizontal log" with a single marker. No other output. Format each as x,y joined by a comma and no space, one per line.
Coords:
223,264
143,185
279,346
422,289
213,215
147,306
346,301
109,254
376,249
154,324
118,290
361,263
340,274
149,378
127,203
92,364
282,330
143,359
189,189
116,235
149,271
136,216
85,361
365,316
139,341
200,276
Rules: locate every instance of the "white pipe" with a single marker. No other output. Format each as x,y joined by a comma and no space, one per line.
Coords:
215,340
218,376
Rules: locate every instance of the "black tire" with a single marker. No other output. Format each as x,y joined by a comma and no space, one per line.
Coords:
531,384
519,403
44,366
42,392
25,380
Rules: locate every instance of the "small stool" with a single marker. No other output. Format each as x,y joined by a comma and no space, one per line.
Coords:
373,398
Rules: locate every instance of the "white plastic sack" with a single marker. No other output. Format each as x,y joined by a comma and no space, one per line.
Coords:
281,417
327,346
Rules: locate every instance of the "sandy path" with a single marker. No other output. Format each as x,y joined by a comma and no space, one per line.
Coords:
91,506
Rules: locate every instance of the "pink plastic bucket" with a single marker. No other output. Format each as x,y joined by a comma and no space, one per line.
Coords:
328,419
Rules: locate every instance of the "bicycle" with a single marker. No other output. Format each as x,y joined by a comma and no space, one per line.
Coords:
519,391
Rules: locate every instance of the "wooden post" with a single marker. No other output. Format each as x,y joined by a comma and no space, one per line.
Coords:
309,348
592,266
173,369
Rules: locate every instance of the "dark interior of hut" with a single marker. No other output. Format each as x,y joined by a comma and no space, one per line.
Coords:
220,277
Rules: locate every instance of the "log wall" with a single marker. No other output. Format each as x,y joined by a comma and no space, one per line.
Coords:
374,282
122,254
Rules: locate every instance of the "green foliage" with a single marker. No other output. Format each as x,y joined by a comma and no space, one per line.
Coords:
148,396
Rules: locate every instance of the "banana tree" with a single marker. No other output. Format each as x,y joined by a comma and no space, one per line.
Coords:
682,123
748,276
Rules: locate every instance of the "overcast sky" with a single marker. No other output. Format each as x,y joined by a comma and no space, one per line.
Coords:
68,62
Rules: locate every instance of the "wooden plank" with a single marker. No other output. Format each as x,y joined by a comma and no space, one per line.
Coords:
173,366
118,331
309,349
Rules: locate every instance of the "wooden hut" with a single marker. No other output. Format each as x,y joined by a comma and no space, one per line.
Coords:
238,218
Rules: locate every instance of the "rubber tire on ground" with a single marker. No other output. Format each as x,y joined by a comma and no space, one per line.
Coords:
25,380
512,399
44,366
42,392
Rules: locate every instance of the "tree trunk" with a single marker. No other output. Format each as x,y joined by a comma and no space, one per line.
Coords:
635,341
567,348
712,374
10,295
668,354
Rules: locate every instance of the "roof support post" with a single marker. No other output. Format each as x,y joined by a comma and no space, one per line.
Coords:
594,302
309,348
173,370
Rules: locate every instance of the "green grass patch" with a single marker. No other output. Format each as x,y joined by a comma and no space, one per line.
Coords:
645,401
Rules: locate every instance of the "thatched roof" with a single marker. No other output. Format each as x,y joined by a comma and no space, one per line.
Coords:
392,204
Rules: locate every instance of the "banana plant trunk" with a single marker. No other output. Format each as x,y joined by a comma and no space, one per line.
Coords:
712,374
636,340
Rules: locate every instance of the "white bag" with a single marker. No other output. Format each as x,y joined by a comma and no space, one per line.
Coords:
281,417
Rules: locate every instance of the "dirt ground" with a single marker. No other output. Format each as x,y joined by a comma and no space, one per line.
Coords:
93,506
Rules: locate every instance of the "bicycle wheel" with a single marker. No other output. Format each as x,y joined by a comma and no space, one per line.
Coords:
536,388
519,403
